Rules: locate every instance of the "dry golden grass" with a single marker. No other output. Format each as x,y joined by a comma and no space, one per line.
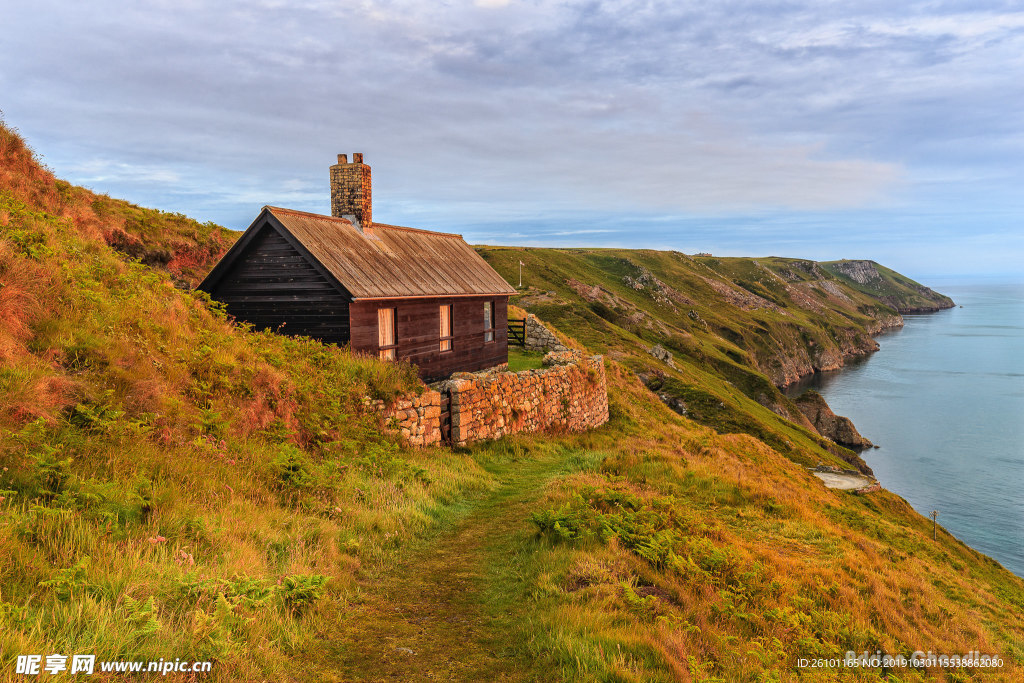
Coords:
767,566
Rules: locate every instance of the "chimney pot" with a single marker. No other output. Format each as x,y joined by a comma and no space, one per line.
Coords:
342,159
357,157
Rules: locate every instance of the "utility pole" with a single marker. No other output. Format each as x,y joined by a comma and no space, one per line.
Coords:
935,514
520,275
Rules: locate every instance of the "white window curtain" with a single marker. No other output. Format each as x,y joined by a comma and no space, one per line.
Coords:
488,321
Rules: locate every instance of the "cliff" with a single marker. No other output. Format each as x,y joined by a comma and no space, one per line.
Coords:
888,286
836,427
729,332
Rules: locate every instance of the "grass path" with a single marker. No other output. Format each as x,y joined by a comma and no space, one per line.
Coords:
444,612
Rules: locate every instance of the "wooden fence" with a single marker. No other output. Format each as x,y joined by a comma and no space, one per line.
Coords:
517,331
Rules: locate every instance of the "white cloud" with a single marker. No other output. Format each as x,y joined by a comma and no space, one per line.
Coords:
98,171
498,110
561,233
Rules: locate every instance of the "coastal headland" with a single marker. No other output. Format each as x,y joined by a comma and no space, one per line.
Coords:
176,486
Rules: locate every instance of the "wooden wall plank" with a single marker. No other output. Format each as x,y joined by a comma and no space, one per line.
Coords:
272,286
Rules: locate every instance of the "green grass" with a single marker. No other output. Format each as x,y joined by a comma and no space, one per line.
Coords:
736,328
521,359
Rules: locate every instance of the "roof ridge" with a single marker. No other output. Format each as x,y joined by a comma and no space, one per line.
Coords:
429,232
307,213
386,226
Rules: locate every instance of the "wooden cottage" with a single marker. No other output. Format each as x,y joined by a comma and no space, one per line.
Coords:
398,293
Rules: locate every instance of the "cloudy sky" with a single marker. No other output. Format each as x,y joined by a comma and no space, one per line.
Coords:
859,129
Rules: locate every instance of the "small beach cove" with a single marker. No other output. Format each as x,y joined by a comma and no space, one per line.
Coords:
844,481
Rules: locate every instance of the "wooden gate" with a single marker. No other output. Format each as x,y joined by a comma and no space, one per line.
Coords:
446,416
517,331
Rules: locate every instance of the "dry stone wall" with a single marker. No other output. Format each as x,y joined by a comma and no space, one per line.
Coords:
416,418
570,394
539,337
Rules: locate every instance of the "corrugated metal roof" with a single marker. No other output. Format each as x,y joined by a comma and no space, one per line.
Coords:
390,261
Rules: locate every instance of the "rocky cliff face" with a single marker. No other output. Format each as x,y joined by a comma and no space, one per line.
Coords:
811,289
861,272
885,322
835,427
888,286
789,361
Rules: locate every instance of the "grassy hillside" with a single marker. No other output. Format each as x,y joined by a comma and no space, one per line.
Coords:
887,285
173,485
714,526
177,486
735,328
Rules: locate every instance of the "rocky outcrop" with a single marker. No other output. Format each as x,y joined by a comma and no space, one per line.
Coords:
787,363
789,360
662,354
741,298
835,427
889,287
862,272
646,282
885,322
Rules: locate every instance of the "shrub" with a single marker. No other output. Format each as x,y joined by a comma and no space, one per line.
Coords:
603,311
300,591
291,470
117,503
51,472
381,459
96,417
66,583
572,522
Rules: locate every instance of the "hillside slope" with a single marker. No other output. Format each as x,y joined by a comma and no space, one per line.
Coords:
886,285
783,317
176,486
730,331
172,485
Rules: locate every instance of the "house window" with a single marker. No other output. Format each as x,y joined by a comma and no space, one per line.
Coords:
386,333
446,327
488,321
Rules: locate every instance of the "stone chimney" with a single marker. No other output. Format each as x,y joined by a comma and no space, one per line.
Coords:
350,191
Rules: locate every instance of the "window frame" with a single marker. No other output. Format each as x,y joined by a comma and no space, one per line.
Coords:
388,351
445,344
489,322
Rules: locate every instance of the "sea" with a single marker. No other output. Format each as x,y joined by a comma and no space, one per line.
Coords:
944,400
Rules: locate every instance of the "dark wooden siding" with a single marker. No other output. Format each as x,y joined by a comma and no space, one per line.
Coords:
272,284
417,333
